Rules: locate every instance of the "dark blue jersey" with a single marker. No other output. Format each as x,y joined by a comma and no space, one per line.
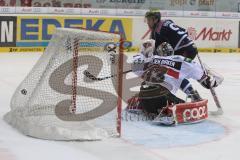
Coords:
168,31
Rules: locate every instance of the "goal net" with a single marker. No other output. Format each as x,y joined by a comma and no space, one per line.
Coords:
56,101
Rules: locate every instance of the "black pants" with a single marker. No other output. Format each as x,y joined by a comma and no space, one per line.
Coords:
189,51
152,102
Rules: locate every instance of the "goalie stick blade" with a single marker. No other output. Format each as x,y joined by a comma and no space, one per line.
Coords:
215,98
89,75
94,78
216,113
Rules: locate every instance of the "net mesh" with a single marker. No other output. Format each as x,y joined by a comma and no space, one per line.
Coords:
56,101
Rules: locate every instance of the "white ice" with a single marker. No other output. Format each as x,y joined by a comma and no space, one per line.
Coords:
218,138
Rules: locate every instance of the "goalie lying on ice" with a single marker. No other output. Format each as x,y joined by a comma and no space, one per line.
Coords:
162,76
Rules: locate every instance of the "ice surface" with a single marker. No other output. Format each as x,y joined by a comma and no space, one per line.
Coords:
215,139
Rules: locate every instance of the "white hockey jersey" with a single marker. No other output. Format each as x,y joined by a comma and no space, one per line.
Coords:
178,68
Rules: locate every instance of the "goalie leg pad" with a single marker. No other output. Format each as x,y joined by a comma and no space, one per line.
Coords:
153,105
133,105
185,113
191,112
150,99
154,98
152,91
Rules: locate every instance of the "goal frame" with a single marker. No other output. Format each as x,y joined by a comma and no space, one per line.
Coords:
53,93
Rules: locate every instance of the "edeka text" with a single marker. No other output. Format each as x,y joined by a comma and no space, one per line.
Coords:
43,28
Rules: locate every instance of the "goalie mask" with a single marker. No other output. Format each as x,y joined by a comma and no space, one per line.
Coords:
165,49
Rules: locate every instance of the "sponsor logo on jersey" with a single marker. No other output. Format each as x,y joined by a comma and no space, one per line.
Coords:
168,62
173,66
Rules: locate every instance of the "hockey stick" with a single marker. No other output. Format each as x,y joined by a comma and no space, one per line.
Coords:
215,98
94,78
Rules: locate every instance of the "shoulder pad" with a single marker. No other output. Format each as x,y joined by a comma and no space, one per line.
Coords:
167,22
177,57
189,60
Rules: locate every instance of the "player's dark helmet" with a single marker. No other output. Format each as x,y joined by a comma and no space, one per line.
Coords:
165,49
153,14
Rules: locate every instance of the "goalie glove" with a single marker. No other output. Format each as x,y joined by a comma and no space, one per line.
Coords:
138,59
137,64
147,48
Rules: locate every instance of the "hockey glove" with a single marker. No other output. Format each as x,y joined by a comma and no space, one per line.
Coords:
147,48
208,81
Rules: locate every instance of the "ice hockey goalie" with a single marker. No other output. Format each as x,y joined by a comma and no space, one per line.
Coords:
162,76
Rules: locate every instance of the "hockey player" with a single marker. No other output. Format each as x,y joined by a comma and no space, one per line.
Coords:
146,53
176,36
168,31
163,75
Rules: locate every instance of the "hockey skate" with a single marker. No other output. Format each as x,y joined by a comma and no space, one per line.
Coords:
164,120
165,117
